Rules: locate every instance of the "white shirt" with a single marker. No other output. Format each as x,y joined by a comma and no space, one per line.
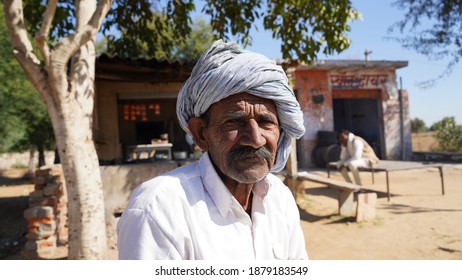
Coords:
188,213
352,151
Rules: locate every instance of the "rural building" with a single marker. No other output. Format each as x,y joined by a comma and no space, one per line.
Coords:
358,95
135,103
135,114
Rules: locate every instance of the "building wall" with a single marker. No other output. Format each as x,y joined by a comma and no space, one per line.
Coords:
106,129
392,121
120,180
315,99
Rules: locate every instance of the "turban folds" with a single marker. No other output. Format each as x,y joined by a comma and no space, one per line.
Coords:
226,69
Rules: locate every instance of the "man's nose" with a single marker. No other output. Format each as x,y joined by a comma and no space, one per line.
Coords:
252,135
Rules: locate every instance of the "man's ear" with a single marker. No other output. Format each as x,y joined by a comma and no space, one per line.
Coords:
197,126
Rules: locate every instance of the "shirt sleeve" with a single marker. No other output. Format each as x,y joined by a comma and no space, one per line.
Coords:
140,237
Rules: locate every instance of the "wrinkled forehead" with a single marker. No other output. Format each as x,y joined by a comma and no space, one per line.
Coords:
244,101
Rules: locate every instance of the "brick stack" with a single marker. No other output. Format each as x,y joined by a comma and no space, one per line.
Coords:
47,215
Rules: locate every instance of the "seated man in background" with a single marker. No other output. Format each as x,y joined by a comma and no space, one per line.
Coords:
355,152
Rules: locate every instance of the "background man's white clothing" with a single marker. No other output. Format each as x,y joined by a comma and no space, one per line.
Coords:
352,157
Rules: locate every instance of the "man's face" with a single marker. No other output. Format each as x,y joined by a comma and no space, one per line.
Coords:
343,139
242,136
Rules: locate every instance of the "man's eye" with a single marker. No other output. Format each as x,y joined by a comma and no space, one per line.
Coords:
267,123
232,122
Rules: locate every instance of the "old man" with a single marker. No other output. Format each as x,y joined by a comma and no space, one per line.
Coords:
239,109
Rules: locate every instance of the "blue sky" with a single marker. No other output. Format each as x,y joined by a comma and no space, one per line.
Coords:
432,104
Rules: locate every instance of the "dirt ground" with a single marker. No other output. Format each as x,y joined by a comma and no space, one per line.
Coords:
419,223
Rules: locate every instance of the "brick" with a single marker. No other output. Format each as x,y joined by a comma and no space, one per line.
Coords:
39,187
40,235
56,171
35,222
42,172
37,194
39,212
51,201
46,253
38,245
47,227
51,189
53,178
39,180
42,227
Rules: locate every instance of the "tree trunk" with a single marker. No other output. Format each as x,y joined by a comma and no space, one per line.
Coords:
31,166
65,81
87,225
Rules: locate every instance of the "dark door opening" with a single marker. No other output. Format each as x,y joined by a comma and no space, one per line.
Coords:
361,116
145,131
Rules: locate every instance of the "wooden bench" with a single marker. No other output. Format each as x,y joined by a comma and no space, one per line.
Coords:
438,156
346,197
388,166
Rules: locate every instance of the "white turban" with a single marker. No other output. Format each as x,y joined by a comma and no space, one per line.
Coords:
226,69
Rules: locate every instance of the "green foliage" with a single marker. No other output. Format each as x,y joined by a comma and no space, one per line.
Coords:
24,117
199,40
434,28
449,135
309,27
155,28
418,125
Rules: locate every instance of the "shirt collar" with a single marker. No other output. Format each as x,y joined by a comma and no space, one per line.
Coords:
217,190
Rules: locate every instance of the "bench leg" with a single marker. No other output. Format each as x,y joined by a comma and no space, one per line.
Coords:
442,179
388,186
345,203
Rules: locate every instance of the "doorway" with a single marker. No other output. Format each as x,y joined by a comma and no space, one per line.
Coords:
361,116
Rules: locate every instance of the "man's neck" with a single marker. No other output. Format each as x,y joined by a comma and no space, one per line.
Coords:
242,193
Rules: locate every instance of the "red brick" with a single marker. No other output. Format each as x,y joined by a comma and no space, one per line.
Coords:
39,212
42,172
51,201
35,222
39,180
40,235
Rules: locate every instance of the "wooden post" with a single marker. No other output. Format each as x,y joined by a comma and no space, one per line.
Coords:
292,169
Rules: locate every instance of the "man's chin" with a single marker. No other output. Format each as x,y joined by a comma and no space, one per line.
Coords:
249,176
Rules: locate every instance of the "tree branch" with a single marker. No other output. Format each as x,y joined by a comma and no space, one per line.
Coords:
42,35
22,47
69,45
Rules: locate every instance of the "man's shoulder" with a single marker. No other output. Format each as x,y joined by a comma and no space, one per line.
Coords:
277,185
